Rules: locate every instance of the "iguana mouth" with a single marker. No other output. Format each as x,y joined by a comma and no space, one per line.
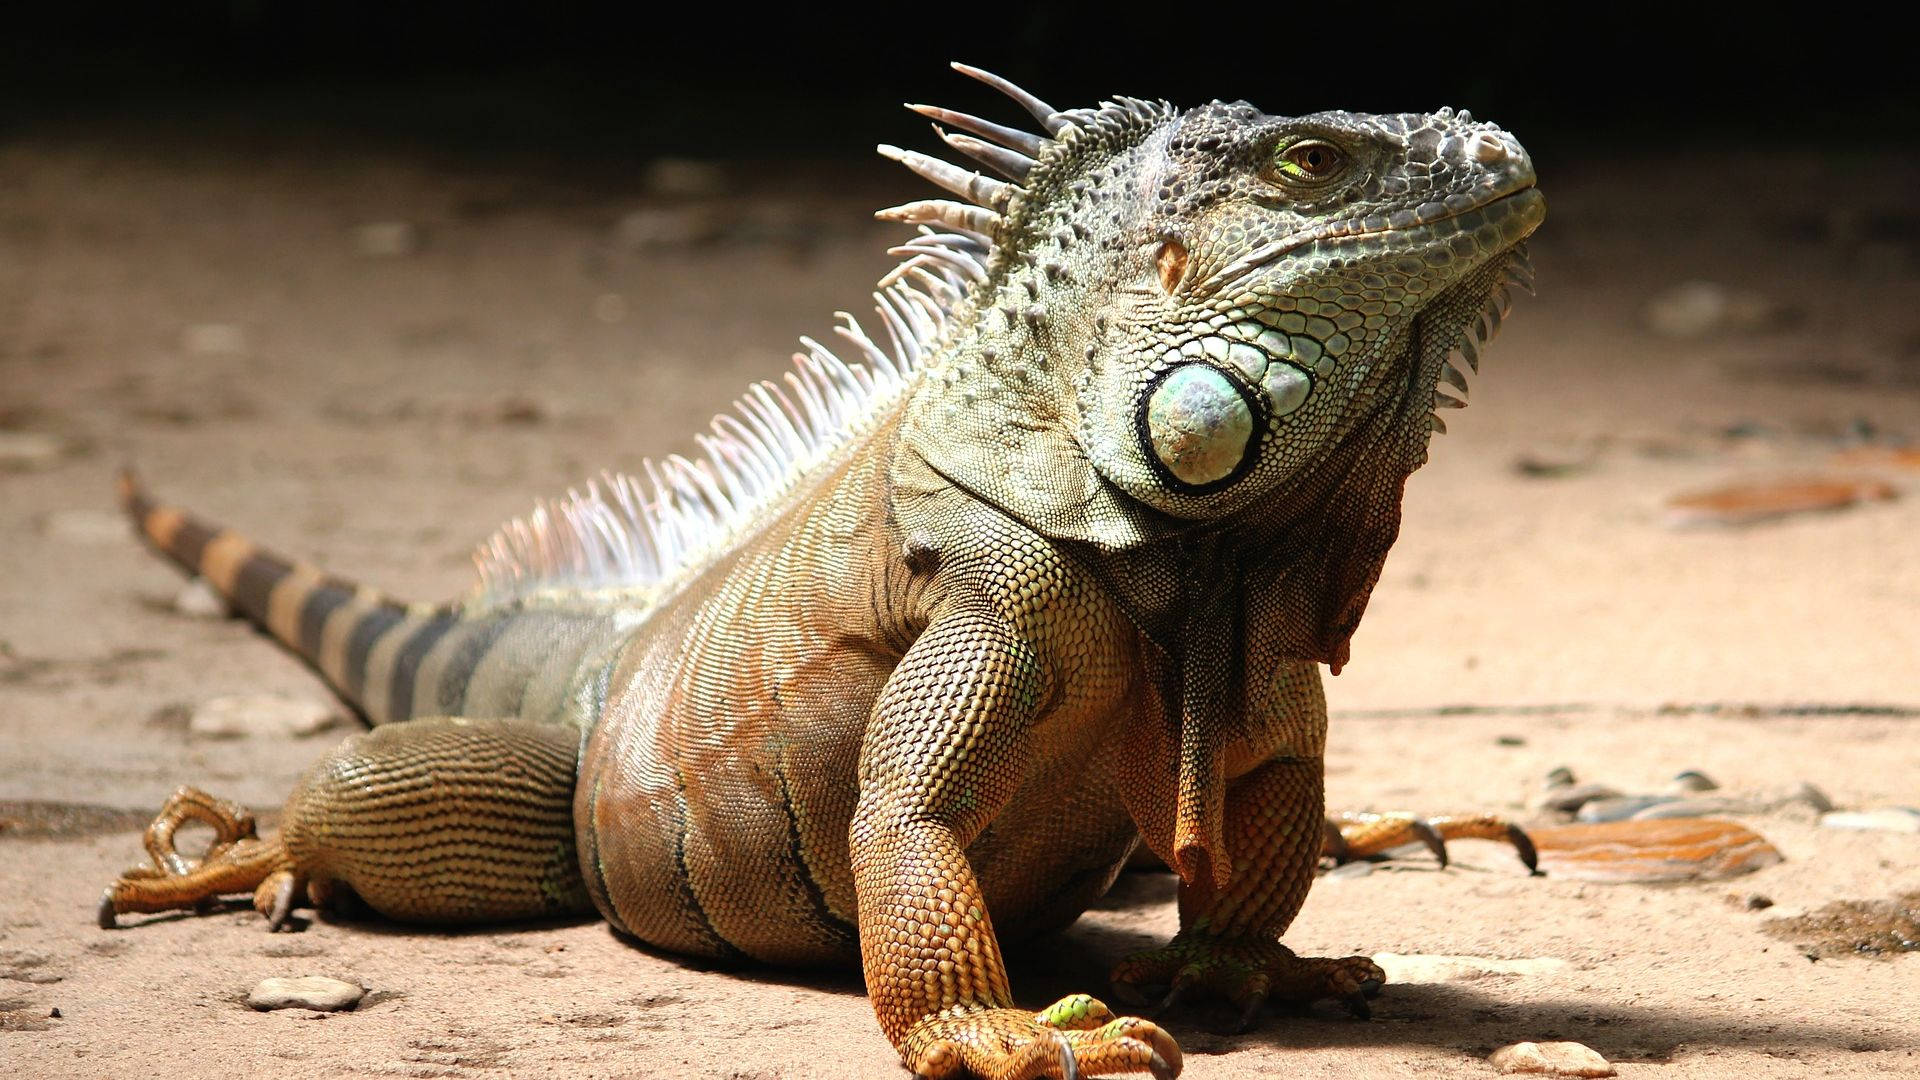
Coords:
1523,203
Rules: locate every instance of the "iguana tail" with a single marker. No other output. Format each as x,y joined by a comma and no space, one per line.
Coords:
368,646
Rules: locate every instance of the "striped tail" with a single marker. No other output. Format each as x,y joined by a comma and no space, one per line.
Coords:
366,645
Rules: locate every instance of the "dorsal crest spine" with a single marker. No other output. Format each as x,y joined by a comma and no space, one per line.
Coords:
640,532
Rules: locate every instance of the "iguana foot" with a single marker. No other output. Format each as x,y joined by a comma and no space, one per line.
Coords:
238,861
1074,1037
1248,972
1362,836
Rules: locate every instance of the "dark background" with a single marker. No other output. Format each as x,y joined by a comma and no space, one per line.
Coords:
620,82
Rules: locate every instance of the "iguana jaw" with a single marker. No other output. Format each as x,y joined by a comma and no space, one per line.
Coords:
1520,198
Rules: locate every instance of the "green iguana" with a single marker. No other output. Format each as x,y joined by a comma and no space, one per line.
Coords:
933,635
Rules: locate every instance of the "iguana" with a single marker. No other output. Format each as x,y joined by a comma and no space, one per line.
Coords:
931,637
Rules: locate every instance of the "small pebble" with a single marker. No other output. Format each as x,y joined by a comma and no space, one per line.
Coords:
213,339
1757,901
386,239
1883,819
1809,795
87,526
30,451
315,992
197,600
1511,740
1689,781
255,715
1572,797
1695,309
1551,1059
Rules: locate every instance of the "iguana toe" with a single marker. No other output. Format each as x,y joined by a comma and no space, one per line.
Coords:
1076,1036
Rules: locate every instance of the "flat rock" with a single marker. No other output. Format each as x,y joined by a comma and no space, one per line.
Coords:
238,716
316,992
1696,808
1884,819
1642,851
1551,1059
1570,797
1431,968
1619,807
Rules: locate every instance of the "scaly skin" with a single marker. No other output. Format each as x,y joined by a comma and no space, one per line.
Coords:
1065,592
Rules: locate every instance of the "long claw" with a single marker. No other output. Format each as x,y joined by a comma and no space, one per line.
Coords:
1175,995
1069,1065
1160,1068
1431,837
1523,846
1251,1014
1358,1006
107,915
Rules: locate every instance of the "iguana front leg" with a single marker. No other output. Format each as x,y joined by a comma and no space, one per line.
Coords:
1229,939
947,748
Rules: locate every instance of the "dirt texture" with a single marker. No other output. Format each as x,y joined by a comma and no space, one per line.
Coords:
377,399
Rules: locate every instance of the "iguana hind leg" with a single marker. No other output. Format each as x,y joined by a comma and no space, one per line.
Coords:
441,820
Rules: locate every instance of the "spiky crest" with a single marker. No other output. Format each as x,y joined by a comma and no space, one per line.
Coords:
639,532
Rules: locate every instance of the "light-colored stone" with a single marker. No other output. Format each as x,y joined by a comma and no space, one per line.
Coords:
269,715
1696,309
87,526
213,339
386,239
1432,968
1551,1059
1884,819
315,992
30,451
197,600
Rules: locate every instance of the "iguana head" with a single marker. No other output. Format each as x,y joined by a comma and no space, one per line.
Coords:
1285,280
1185,315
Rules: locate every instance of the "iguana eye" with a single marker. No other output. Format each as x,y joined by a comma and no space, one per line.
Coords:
1309,161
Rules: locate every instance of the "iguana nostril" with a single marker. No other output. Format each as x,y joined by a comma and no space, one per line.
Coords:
1198,424
1172,264
1489,149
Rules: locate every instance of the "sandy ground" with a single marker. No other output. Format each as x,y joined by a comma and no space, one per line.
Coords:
380,414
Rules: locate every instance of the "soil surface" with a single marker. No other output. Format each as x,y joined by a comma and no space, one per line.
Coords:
377,399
